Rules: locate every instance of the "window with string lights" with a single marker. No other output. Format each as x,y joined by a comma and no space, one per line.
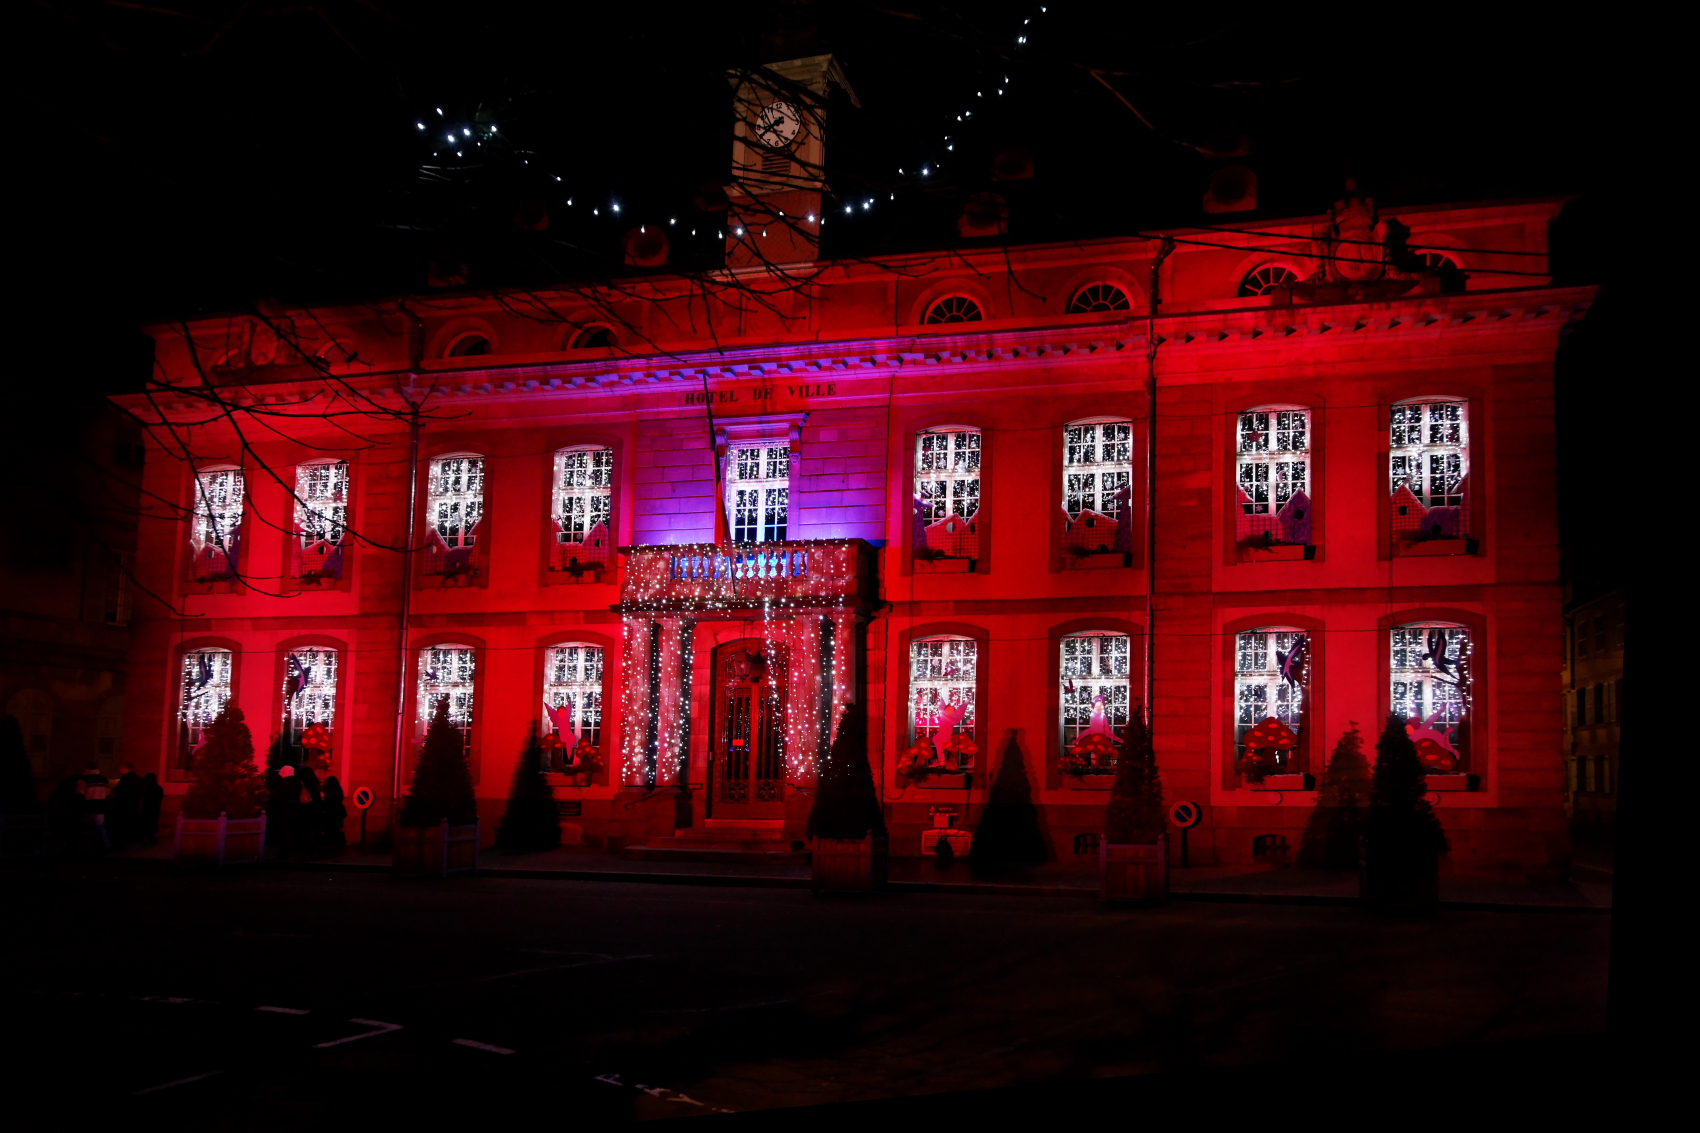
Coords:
447,672
1097,491
1273,507
1267,280
215,528
954,309
1098,298
1429,476
572,709
204,689
1095,701
947,497
309,703
321,522
1271,681
454,513
944,675
1430,686
758,491
582,512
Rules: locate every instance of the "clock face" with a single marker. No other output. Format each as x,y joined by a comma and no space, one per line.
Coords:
778,125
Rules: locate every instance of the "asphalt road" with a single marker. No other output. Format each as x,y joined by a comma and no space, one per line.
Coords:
278,1000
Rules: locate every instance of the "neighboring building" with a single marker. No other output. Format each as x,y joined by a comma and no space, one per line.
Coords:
687,531
1593,693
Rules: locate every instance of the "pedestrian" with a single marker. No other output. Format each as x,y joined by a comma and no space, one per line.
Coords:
124,806
95,788
307,811
147,819
284,804
65,811
334,812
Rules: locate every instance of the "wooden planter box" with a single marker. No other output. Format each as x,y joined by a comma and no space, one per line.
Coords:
1133,873
220,841
23,835
436,851
844,865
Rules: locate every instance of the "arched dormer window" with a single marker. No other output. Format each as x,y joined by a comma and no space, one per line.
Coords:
321,519
215,531
582,508
454,509
1097,488
1273,476
1267,279
1429,470
1097,297
954,309
572,697
468,346
593,338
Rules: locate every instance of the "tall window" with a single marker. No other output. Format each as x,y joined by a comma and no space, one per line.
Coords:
1429,467
1271,674
572,677
1430,687
758,492
943,674
1094,671
216,532
309,691
947,492
1274,476
583,501
454,505
321,516
204,691
446,672
1097,467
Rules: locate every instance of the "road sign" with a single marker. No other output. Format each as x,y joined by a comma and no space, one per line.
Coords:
363,798
1185,814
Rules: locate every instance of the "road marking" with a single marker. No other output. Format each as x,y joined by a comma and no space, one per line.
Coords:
476,1045
383,1029
179,1082
283,1010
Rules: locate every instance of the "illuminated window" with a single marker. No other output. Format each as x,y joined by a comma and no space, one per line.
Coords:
954,309
947,492
1095,669
1430,687
1097,486
583,501
454,505
1098,297
216,530
943,677
446,672
758,492
1271,675
309,692
203,693
572,687
1267,279
1429,469
321,517
1273,474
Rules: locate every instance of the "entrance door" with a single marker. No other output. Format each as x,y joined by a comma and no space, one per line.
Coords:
749,744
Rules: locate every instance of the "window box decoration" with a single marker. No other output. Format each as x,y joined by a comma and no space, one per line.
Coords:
222,822
437,834
846,822
1091,759
1460,782
1133,857
1266,745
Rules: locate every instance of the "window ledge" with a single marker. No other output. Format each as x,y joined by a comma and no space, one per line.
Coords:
1280,552
1436,547
1104,561
1458,782
1101,782
1300,782
946,566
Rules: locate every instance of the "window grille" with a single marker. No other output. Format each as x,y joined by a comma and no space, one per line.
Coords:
309,691
454,506
1098,297
1094,665
1273,474
446,672
1266,279
1429,470
1430,687
573,681
943,676
321,517
758,492
583,506
947,485
1271,674
203,693
954,309
217,531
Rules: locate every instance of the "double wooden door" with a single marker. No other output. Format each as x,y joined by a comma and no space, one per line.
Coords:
748,747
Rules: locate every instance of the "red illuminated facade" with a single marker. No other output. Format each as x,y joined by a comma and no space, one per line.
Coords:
1353,494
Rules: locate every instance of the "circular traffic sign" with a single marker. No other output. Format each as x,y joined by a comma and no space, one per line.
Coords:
363,798
1185,814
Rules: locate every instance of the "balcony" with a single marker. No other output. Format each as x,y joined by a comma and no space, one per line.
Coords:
706,577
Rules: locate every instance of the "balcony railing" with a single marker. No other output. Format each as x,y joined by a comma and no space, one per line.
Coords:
706,576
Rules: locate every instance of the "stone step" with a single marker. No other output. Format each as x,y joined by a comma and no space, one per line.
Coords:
659,850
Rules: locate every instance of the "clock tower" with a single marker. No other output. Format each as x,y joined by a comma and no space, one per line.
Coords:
779,160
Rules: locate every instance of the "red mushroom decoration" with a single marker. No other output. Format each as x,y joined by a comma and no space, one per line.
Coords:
1262,743
317,737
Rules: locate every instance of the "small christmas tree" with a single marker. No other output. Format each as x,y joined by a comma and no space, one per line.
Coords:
1402,837
442,783
1337,823
1008,833
224,779
17,777
846,804
1135,813
531,821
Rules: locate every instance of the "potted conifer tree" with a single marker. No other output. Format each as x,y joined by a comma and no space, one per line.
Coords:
846,823
1133,857
1336,828
1403,839
437,834
223,820
531,821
